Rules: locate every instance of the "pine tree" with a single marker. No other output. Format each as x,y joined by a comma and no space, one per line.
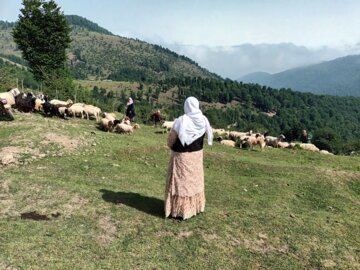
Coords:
42,33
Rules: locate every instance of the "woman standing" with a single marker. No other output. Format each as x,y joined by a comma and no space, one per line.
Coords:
130,110
184,193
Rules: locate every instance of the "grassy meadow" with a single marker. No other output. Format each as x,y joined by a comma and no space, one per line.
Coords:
75,197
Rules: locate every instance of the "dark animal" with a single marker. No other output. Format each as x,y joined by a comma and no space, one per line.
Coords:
25,103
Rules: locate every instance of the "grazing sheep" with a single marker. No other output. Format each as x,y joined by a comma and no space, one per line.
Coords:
167,125
63,112
10,96
109,116
218,131
77,110
325,152
79,104
309,147
67,103
230,143
38,104
106,124
124,128
25,104
274,141
258,139
235,135
284,145
91,110
126,121
50,109
136,126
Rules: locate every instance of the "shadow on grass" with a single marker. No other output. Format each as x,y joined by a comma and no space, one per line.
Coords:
149,205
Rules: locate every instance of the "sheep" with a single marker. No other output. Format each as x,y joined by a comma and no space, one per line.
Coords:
126,121
230,143
110,116
50,109
38,104
218,131
258,139
136,126
63,112
79,104
283,144
309,146
77,110
25,104
69,102
234,135
10,96
106,124
274,141
325,152
124,128
167,125
91,110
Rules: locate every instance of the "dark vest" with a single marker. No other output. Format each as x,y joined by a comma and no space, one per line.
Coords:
194,146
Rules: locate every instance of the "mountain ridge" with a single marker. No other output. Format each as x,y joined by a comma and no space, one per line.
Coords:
340,77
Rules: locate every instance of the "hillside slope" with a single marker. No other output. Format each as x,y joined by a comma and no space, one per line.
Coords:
78,198
96,53
337,77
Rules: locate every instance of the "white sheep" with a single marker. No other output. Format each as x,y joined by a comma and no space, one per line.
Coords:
77,110
228,143
234,135
256,139
219,131
63,111
283,144
325,152
167,125
309,146
274,141
67,103
136,126
91,110
124,128
10,96
110,116
106,124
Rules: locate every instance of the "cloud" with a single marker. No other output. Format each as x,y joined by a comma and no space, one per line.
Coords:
236,61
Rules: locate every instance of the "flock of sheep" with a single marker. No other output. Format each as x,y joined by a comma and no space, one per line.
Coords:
40,103
108,121
249,139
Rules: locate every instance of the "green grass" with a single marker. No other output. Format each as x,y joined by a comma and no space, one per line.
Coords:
275,209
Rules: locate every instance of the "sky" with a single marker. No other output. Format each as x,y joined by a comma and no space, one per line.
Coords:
214,24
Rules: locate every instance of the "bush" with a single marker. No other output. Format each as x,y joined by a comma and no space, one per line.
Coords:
327,139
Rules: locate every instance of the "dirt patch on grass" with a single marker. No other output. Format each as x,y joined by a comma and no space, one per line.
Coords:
7,203
334,174
75,205
184,234
210,237
66,142
108,230
262,246
11,154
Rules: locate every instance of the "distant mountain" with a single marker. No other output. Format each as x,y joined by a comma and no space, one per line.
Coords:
96,53
256,77
339,77
235,61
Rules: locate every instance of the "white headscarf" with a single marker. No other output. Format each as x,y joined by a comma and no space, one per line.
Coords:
130,101
193,124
